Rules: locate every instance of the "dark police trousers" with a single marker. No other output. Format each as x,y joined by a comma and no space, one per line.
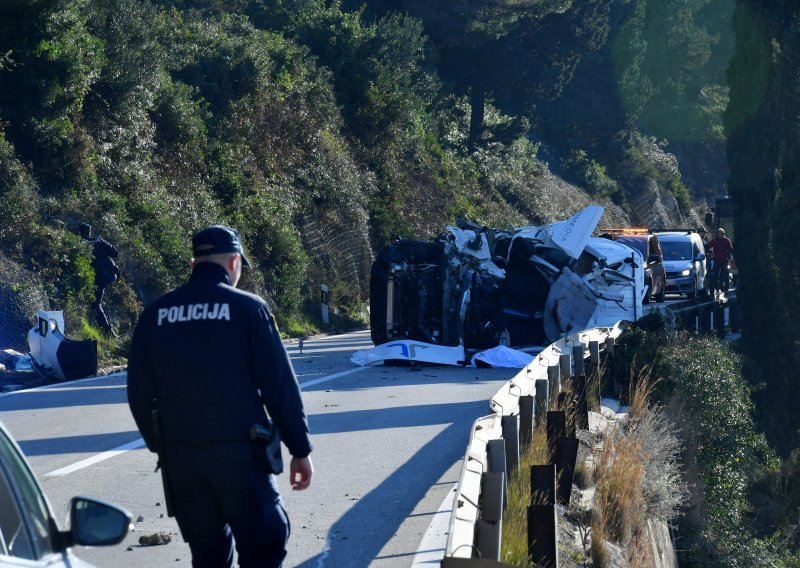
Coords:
102,281
221,496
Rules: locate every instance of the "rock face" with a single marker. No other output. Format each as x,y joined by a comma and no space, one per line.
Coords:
20,296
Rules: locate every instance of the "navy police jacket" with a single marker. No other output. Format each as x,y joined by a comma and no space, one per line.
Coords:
212,358
105,269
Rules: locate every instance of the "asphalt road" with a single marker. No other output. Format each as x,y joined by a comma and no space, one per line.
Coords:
388,446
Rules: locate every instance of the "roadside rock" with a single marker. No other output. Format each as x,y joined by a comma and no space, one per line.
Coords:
155,539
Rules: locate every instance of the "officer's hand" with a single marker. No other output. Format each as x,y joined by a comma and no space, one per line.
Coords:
300,472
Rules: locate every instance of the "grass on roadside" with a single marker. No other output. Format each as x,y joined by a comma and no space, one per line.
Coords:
515,517
637,478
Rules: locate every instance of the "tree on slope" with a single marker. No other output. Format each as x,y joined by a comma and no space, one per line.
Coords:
763,126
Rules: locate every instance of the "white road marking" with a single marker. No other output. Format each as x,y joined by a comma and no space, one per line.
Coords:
432,546
65,386
313,382
96,459
139,442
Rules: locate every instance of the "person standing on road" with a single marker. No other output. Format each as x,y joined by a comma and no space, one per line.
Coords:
722,248
106,271
208,358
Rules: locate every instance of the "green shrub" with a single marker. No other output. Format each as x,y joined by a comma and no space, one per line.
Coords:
710,401
592,175
640,348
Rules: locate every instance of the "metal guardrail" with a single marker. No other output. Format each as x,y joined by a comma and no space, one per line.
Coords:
466,506
707,315
566,357
506,403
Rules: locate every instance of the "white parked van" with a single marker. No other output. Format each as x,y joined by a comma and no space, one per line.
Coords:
685,262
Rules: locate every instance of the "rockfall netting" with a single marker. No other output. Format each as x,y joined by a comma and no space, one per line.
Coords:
546,198
656,208
337,242
20,296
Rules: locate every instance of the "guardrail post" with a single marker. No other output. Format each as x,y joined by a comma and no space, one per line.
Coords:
594,358
705,319
719,320
581,404
594,352
564,458
525,420
611,343
580,363
553,380
556,427
542,518
562,400
541,400
690,320
490,526
510,427
607,380
565,364
733,314
496,456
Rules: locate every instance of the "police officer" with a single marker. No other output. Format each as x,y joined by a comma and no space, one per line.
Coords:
105,271
209,359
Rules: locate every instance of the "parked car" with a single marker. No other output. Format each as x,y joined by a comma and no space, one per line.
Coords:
479,287
29,533
649,246
685,262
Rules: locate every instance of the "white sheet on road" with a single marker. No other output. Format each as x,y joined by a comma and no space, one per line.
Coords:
505,357
406,350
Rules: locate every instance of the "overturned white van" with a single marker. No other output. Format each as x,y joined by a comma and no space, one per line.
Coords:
478,287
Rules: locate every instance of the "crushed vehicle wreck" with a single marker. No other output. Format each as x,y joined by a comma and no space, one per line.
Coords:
478,287
52,357
57,357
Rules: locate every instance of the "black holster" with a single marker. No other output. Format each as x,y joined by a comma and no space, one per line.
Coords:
266,441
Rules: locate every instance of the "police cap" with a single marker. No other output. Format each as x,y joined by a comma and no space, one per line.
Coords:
218,239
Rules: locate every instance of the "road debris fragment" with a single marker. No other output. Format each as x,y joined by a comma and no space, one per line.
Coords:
155,539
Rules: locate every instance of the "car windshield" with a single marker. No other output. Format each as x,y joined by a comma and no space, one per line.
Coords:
677,250
637,244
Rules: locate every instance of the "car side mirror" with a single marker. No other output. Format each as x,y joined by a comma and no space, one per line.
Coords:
701,256
97,523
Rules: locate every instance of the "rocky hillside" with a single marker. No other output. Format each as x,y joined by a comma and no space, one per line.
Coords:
321,130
